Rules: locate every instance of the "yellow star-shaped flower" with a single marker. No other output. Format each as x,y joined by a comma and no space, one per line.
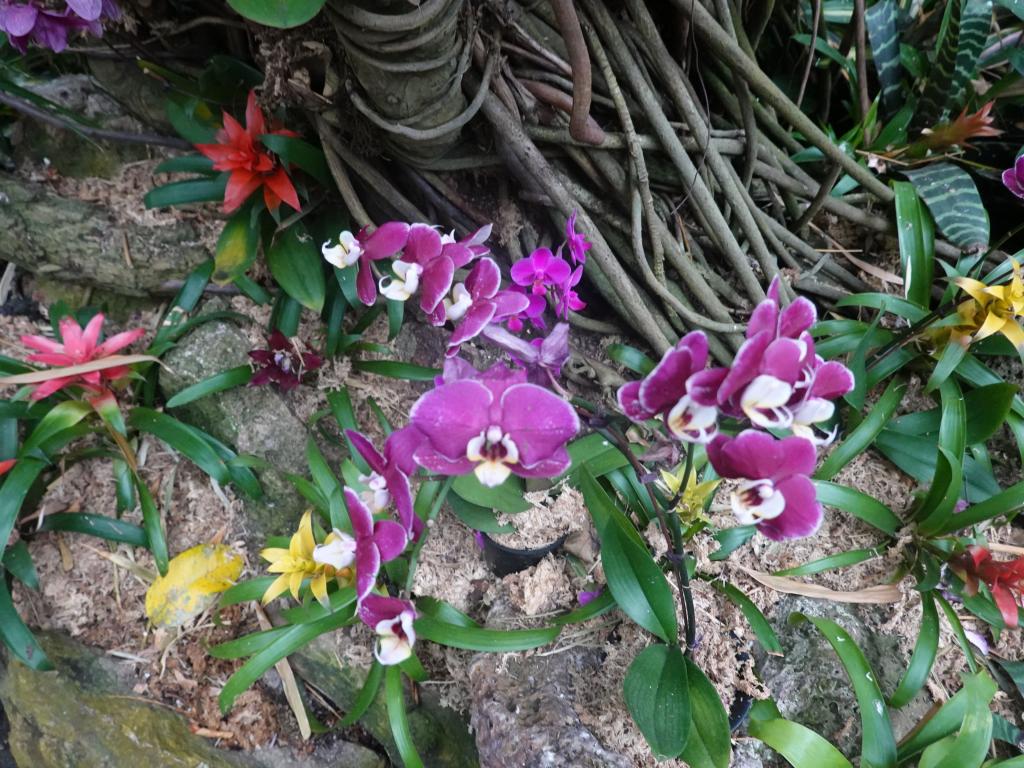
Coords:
993,309
690,506
297,563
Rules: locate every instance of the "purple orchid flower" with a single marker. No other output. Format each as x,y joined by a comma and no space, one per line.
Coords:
1013,178
429,262
376,542
542,359
533,314
775,492
493,425
667,392
566,298
540,270
576,243
776,380
477,302
283,363
387,482
475,241
392,619
48,28
363,249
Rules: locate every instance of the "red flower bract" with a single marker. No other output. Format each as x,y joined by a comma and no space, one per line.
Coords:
239,151
1005,580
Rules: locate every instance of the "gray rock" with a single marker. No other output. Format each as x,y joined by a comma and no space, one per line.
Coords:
82,715
39,225
810,685
254,420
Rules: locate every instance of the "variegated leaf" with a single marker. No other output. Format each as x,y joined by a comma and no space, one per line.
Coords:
881,20
961,40
954,202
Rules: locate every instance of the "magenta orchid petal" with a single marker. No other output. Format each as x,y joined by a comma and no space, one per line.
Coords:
782,359
552,466
523,270
366,450
703,386
387,240
390,538
451,415
89,10
377,608
435,283
507,303
483,279
538,422
629,402
765,317
773,289
744,366
434,461
476,317
367,567
359,515
423,246
663,386
797,318
802,515
18,20
398,487
366,285
831,380
400,447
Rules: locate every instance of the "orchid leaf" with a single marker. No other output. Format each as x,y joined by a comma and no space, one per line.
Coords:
507,497
296,264
18,563
397,369
281,14
840,560
398,717
630,357
709,745
246,591
658,698
802,747
480,639
758,623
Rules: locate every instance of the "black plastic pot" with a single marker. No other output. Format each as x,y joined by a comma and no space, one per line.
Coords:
505,560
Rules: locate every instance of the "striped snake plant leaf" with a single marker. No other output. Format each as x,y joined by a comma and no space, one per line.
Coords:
965,27
954,202
883,32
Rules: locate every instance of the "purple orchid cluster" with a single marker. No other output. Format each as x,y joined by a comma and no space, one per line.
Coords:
47,27
776,382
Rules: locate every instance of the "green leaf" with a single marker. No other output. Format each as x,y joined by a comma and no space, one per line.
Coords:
801,746
203,190
18,563
948,719
858,504
881,21
917,456
366,695
507,497
986,409
658,698
917,244
397,369
294,151
182,439
186,164
16,485
878,745
479,639
476,517
954,202
943,495
289,641
970,746
236,247
599,605
882,302
958,630
100,526
758,623
1015,669
961,40
297,266
860,438
396,314
630,357
731,539
952,354
709,745
233,377
1010,500
841,560
61,417
923,657
635,580
16,635
282,14
246,591
394,697
153,525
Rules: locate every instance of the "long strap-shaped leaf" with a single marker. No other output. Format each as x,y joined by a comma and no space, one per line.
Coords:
954,202
880,20
961,40
801,746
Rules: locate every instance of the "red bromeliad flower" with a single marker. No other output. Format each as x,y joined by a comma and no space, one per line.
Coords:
1005,580
239,151
961,130
79,347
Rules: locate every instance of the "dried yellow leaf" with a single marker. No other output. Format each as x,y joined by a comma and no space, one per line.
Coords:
193,581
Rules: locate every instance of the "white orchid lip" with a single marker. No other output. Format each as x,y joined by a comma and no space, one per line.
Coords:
764,402
395,640
810,413
377,497
404,284
456,306
692,422
755,500
493,451
339,552
345,253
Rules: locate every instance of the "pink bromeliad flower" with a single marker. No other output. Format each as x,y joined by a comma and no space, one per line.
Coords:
666,393
776,380
774,492
376,542
479,301
493,425
387,481
364,249
392,619
80,346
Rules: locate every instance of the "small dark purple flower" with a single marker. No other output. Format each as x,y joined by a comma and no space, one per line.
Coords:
576,242
386,481
542,359
539,271
1013,178
566,298
283,363
477,302
376,542
392,619
588,596
666,392
775,492
493,425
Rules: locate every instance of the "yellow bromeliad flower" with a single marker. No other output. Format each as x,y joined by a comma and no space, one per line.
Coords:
305,559
690,506
992,309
